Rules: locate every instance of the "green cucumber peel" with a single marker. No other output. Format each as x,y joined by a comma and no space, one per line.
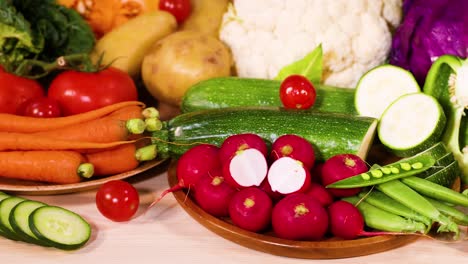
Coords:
309,66
447,81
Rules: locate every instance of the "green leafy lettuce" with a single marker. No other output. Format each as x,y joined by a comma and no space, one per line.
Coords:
40,30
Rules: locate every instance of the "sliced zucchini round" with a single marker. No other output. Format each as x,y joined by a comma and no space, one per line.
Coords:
59,227
412,123
379,87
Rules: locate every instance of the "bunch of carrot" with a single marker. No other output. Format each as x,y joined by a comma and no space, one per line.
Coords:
63,150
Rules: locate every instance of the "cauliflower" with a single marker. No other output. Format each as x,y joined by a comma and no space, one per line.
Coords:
266,35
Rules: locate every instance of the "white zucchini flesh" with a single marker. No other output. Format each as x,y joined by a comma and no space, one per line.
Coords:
379,87
410,123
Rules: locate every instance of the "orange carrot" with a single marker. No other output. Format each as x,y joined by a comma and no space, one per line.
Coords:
25,124
113,161
24,141
109,128
60,167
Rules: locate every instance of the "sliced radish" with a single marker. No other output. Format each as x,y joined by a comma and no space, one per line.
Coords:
287,175
247,168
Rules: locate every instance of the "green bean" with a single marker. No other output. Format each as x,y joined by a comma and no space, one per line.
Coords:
436,191
407,196
383,220
384,202
456,215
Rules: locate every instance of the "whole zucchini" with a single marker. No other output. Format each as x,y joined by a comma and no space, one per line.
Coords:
329,133
234,91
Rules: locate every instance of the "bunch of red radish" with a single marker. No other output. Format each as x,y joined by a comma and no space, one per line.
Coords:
278,188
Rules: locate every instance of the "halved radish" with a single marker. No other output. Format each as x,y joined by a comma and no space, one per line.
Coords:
287,175
237,142
294,146
247,168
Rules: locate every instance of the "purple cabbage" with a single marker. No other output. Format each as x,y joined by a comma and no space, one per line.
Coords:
430,28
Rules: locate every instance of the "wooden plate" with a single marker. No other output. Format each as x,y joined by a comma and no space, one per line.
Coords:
38,188
331,248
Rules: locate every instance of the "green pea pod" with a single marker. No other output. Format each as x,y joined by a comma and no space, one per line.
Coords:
384,202
379,219
446,81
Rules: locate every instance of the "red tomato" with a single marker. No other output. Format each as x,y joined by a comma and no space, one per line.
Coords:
15,90
79,92
40,107
180,9
117,200
297,92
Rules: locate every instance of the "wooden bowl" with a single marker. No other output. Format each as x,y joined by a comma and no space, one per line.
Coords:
330,248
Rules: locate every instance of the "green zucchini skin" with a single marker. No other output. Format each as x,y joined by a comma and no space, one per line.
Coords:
235,91
329,133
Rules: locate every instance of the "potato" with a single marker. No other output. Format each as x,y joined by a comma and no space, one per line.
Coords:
126,45
180,60
206,16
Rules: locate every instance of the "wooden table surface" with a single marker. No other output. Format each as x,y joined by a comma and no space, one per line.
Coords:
167,234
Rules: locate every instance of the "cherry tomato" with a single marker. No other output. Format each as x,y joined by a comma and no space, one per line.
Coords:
15,90
40,107
297,92
117,200
79,92
180,9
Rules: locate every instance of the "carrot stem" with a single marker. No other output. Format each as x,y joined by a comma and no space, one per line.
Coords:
146,153
86,170
135,126
150,112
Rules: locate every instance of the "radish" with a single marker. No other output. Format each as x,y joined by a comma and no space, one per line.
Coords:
287,175
247,168
213,194
250,209
316,172
347,222
266,187
298,216
339,167
295,147
192,165
320,193
234,143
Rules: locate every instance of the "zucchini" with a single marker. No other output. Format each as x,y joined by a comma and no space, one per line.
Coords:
59,227
2,197
329,133
380,86
224,92
411,124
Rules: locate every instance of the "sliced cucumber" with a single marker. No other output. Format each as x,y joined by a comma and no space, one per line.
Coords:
19,220
379,87
59,227
412,123
6,206
3,196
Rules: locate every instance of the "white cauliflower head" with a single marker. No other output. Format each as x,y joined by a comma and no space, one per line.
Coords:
266,35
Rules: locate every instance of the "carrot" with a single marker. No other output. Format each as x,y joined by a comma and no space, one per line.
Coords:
113,161
120,159
60,167
24,141
25,124
109,128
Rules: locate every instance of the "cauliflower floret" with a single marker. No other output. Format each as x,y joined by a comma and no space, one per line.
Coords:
266,35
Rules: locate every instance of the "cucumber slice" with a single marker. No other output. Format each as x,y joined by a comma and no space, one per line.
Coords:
3,196
6,206
59,227
379,87
19,220
411,124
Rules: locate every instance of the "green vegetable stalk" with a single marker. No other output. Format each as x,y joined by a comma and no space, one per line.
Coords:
447,81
